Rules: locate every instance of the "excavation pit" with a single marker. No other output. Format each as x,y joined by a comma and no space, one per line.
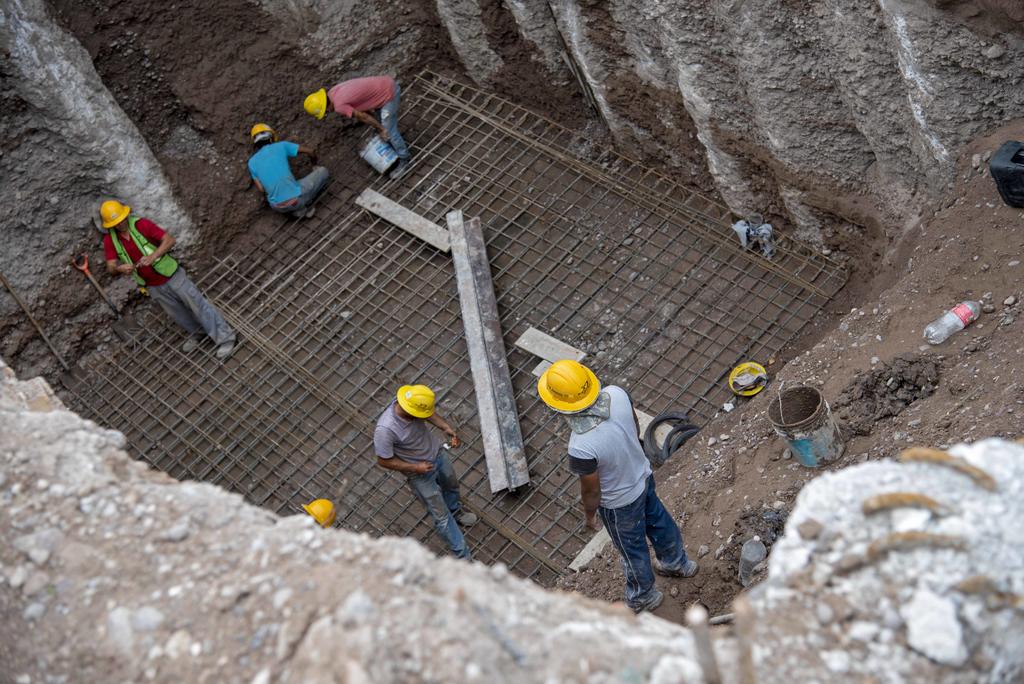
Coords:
337,311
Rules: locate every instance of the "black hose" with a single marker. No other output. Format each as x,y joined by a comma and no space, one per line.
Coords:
682,430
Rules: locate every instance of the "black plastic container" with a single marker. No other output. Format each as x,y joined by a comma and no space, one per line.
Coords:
1007,168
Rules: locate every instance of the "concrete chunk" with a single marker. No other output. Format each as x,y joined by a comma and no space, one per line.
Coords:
407,220
499,420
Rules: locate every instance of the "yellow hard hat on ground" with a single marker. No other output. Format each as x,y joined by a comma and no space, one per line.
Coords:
322,511
259,132
416,400
747,379
113,212
316,103
568,386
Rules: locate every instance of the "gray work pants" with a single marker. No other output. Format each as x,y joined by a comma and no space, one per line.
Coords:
312,185
183,302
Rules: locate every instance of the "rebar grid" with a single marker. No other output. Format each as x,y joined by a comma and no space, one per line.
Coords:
337,311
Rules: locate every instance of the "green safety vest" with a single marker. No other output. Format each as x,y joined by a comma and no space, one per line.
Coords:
165,265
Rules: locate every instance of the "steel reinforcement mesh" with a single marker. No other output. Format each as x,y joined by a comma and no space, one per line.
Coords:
337,311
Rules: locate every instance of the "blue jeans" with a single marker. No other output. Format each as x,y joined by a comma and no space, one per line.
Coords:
439,492
630,527
389,120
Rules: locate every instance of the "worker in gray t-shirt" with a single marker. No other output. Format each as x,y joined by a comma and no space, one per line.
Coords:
615,478
404,442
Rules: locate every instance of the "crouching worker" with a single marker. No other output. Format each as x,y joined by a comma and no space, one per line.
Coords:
616,479
404,442
269,169
138,247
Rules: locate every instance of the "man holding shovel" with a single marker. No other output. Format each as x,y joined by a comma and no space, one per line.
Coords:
138,247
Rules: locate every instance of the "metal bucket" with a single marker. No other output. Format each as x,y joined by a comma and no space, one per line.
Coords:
802,417
378,154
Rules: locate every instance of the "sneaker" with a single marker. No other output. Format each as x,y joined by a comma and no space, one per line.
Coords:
225,350
191,344
401,168
653,601
688,570
466,519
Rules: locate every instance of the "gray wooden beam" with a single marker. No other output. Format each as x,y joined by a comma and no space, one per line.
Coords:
407,220
496,406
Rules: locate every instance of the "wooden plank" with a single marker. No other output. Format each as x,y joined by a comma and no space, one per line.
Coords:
547,347
407,220
499,421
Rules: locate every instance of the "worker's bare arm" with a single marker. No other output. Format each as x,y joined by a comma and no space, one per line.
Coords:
401,466
113,268
308,151
165,246
590,493
439,422
370,121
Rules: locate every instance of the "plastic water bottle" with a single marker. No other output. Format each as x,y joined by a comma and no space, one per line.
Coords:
954,320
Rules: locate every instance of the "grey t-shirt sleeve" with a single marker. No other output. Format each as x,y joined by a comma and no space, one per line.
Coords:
383,443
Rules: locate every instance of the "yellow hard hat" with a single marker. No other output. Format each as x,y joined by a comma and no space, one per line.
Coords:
747,379
113,212
322,511
416,400
316,103
259,128
568,386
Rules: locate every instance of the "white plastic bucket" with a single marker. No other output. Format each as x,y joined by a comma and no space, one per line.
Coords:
378,154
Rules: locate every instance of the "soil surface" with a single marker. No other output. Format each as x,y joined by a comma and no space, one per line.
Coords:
888,388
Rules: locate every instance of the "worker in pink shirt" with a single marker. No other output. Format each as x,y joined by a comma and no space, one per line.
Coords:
372,100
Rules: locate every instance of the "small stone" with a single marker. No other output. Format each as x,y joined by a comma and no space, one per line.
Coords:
824,613
826,251
147,619
1010,301
810,529
703,550
787,454
17,576
712,441
874,360
119,630
933,629
178,644
628,241
914,423
33,611
176,533
724,438
836,661
719,552
1015,262
988,308
281,597
357,608
995,52
849,562
673,592
975,160
863,631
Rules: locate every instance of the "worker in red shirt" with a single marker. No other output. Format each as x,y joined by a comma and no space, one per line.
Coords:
359,99
138,247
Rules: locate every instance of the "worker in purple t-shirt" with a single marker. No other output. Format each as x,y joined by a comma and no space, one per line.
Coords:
360,99
403,442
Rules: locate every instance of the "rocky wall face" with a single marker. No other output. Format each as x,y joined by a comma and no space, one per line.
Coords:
803,108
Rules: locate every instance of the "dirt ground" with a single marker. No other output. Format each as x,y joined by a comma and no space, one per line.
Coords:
889,388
